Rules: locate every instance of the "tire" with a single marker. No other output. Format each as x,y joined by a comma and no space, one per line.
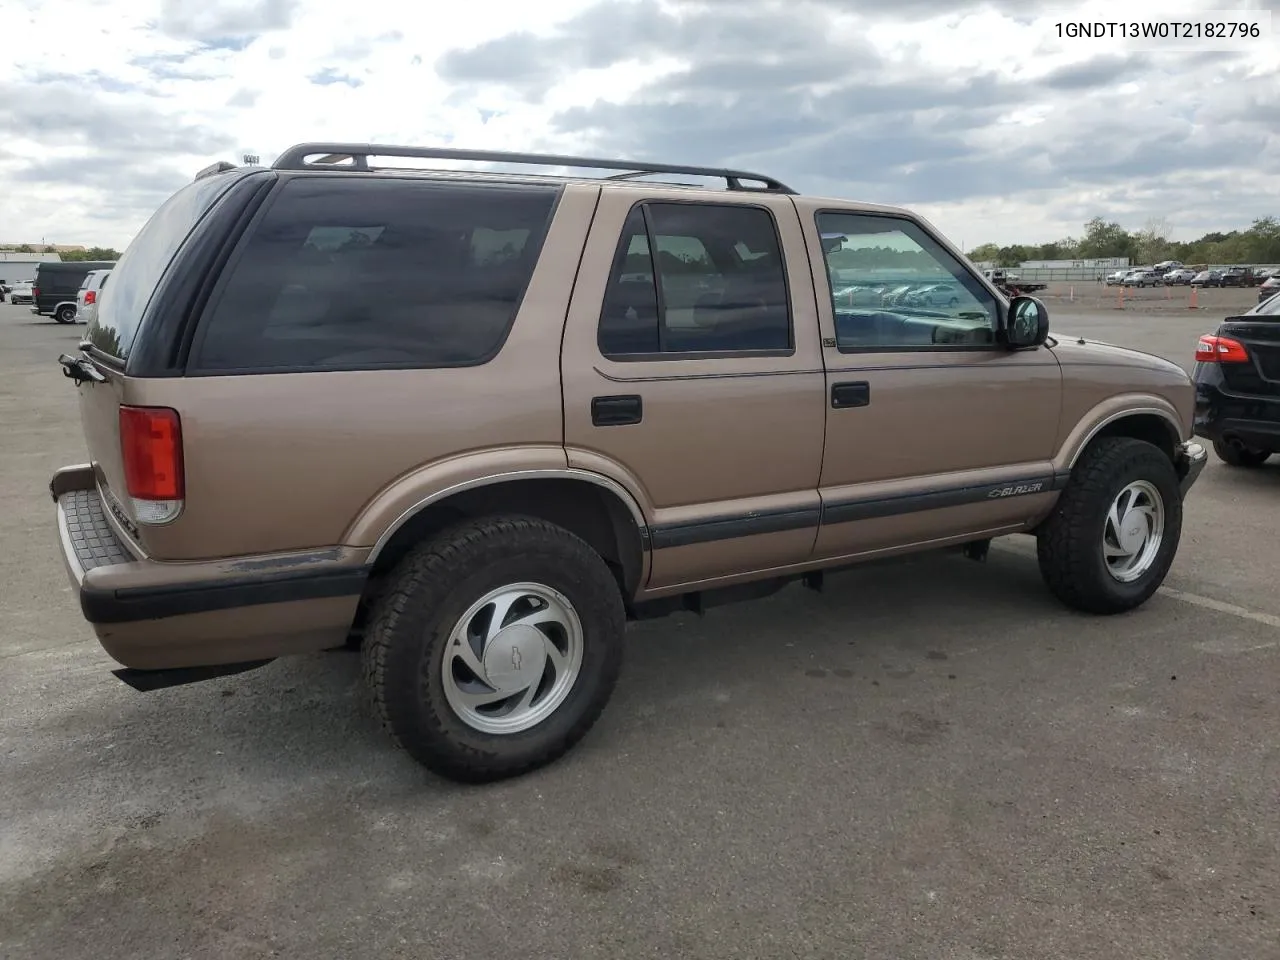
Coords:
1070,543
431,593
65,315
1239,455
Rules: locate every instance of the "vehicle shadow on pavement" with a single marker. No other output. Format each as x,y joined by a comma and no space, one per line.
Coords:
304,718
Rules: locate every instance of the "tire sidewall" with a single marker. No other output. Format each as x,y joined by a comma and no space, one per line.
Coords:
1154,468
416,668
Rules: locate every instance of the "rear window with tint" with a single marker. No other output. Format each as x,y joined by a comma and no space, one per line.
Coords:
139,270
1268,308
354,272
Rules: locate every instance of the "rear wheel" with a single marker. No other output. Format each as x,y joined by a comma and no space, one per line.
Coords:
495,647
65,314
1239,454
1113,534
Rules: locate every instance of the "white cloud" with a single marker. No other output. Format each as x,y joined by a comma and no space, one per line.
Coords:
1003,132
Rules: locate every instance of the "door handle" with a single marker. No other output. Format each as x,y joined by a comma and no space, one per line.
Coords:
850,394
616,411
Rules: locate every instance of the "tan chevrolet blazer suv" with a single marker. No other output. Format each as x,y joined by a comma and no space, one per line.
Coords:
475,421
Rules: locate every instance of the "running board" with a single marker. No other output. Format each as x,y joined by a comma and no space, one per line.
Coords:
145,681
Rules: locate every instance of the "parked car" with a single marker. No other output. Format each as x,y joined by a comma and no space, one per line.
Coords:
88,295
1117,278
895,295
1179,276
20,292
934,295
1237,377
1269,288
262,481
1167,266
1143,277
56,285
1240,277
1207,278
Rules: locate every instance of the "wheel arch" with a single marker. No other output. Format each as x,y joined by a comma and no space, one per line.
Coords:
1155,422
599,510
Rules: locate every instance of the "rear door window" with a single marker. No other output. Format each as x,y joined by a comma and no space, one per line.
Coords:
353,272
144,263
696,279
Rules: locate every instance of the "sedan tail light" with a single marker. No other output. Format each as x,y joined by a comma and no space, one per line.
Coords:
1213,349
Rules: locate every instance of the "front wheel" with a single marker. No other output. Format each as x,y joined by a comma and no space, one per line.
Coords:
495,647
65,314
1238,454
1113,533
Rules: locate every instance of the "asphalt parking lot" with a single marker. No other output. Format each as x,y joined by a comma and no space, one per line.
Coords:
927,761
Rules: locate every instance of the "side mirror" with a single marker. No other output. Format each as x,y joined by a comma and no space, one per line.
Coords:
1027,324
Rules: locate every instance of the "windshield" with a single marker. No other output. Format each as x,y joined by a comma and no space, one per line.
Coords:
145,261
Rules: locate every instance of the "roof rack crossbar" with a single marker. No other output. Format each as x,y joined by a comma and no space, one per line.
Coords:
332,155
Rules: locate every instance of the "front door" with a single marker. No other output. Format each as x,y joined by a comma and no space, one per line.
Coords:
692,375
935,430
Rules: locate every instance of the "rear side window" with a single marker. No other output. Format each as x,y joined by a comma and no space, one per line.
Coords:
141,267
355,272
1268,308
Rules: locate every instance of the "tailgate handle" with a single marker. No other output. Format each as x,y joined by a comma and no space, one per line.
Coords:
850,394
616,411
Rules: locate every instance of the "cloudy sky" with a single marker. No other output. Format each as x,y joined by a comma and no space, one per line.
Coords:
974,113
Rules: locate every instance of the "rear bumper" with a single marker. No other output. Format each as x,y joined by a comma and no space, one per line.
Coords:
1252,420
153,615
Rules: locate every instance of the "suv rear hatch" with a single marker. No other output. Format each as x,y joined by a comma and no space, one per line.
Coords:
136,450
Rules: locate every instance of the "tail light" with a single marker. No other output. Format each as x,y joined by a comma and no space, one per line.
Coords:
35,291
1212,349
90,296
151,443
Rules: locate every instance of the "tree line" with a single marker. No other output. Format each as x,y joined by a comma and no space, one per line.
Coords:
1259,243
93,253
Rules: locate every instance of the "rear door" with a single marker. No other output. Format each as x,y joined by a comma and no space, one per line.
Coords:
112,329
692,375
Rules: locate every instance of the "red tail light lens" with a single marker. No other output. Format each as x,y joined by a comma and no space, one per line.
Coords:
1212,349
151,442
90,297
35,291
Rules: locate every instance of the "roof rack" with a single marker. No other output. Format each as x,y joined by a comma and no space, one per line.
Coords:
331,155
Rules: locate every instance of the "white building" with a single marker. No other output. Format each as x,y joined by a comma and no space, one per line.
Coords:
21,267
1101,263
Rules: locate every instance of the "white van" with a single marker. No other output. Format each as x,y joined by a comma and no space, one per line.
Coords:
89,294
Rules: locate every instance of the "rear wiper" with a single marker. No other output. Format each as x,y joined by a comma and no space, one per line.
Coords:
80,369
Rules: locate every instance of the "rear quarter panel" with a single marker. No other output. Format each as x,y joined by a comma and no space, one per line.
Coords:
290,461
